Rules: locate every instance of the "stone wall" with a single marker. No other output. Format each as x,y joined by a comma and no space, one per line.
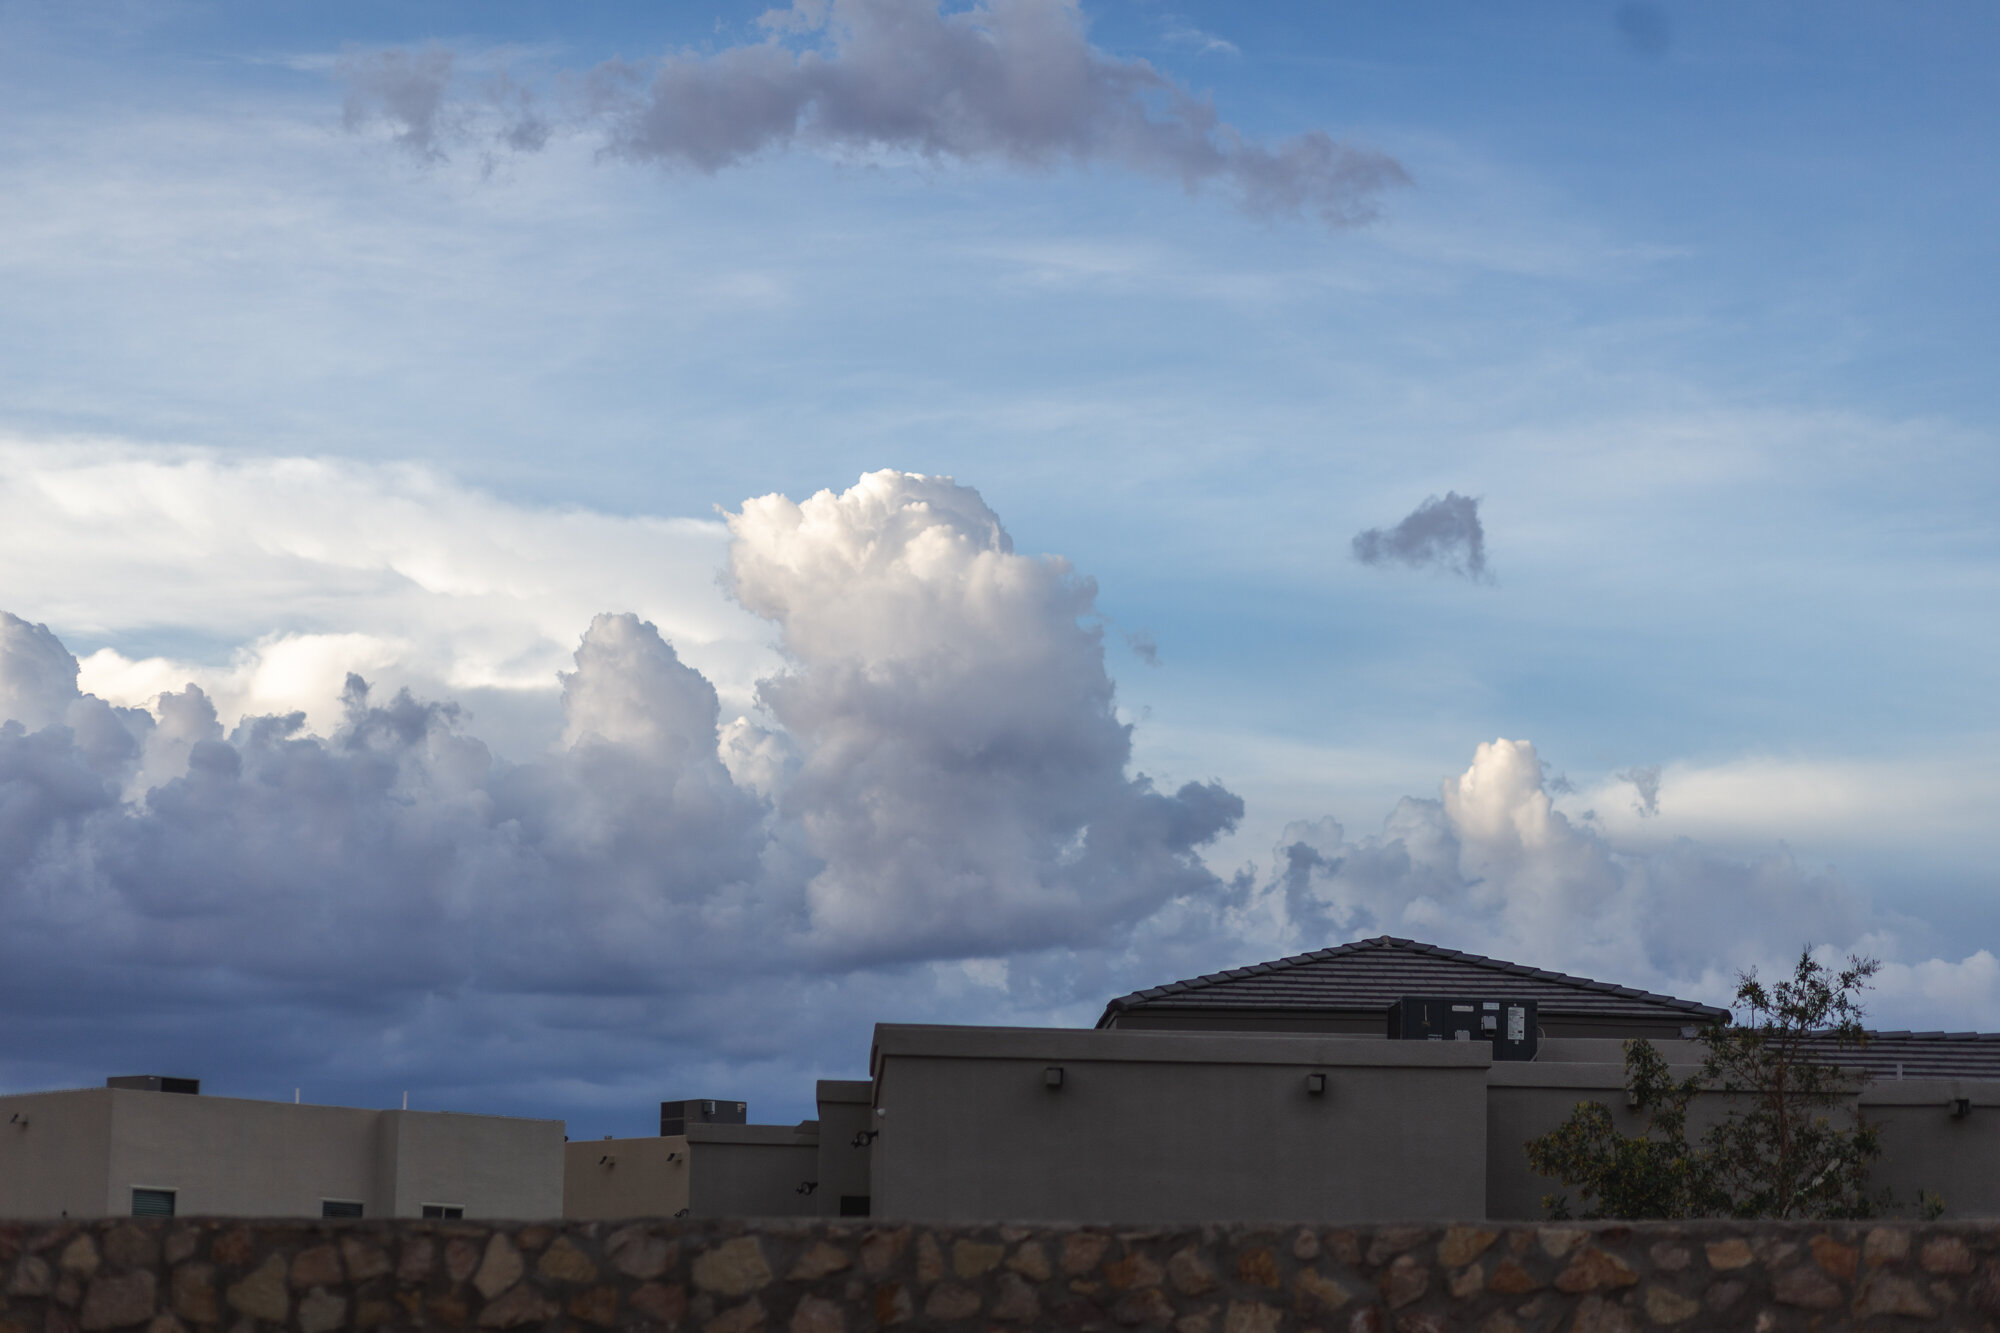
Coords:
173,1276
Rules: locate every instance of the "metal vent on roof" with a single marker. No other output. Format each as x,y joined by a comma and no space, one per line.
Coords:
155,1083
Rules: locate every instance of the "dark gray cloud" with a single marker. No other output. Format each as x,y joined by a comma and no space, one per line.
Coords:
941,775
1645,780
1438,534
1015,81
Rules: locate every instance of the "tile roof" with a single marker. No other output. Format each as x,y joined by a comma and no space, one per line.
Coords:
1373,974
1920,1054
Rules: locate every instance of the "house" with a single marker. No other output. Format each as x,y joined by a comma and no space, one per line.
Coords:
154,1146
1273,1092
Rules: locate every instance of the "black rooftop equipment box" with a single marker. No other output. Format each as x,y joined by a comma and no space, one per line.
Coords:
1508,1024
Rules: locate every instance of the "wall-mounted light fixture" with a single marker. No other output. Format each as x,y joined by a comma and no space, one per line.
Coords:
1315,1085
673,1157
607,1162
681,1213
1961,1107
863,1137
806,1187
1052,1077
18,1119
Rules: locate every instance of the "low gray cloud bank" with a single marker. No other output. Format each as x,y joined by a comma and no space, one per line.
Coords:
1016,81
943,776
1438,534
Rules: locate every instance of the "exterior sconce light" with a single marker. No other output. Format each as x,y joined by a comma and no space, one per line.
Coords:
1315,1085
1961,1107
673,1157
863,1137
607,1162
806,1187
1052,1077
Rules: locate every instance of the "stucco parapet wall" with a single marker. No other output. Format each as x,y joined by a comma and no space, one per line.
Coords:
844,1091
832,1277
783,1135
928,1041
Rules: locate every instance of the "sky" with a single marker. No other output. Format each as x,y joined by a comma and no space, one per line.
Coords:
563,556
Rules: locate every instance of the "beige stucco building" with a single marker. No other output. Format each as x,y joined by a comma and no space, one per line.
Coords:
96,1152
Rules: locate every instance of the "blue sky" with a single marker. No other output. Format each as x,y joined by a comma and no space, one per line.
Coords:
1696,300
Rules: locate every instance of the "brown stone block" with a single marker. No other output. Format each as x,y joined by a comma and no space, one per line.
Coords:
1670,1258
1190,1273
1510,1279
1344,1245
818,1261
930,1260
262,1295
461,1256
1147,1307
1258,1267
1017,1302
520,1304
533,1238
1082,1250
892,1304
1806,1286
664,1303
31,1277
1467,1282
1724,1255
499,1269
58,1321
1595,1270
637,1252
1390,1241
733,1268
1945,1255
1885,1247
1134,1270
1251,1317
599,1305
1594,1314
181,1243
970,1258
816,1314
317,1267
564,1262
69,1290
373,1314
1884,1293
1316,1291
1836,1259
165,1323
1031,1261
1985,1290
1723,1295
1664,1306
79,1257
1461,1245
950,1301
881,1249
322,1312
128,1246
1558,1241
118,1302
1422,1321
234,1248
745,1318
1499,1322
1201,1321
1404,1282
193,1294
364,1259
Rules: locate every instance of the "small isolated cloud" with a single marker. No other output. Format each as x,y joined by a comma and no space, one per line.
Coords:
1645,779
1179,32
1644,29
1144,646
1438,534
1012,81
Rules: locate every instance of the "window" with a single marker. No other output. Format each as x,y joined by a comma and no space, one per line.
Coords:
339,1208
449,1212
854,1205
152,1203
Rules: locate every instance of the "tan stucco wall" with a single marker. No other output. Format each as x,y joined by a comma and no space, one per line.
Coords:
638,1180
1163,1127
752,1170
233,1157
846,1109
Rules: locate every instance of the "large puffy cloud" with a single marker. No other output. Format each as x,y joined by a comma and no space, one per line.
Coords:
1013,80
962,768
944,779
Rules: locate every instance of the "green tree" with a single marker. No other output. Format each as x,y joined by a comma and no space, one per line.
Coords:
1789,1142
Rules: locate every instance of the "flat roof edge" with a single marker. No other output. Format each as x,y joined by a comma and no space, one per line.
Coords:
937,1041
